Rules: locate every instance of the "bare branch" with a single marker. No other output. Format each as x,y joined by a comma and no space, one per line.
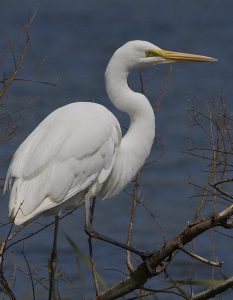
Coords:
210,293
18,65
35,232
202,259
139,277
30,275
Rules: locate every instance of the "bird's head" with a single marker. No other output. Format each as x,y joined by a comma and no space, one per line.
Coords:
136,54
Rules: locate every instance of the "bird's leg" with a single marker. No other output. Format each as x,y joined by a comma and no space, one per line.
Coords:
96,235
53,261
90,206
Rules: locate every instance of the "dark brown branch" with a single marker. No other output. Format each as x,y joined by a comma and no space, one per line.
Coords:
138,278
6,288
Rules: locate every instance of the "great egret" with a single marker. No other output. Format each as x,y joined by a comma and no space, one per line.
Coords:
78,152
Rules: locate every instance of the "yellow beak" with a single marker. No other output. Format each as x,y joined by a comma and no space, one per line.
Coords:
179,56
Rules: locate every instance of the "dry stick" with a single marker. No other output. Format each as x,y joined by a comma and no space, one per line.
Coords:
218,140
165,291
155,218
37,231
3,280
221,191
176,286
202,259
35,81
6,287
18,65
163,91
210,293
132,220
30,274
215,145
7,83
139,277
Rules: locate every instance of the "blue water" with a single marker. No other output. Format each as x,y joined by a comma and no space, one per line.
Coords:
70,44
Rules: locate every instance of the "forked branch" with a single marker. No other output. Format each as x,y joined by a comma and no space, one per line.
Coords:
140,276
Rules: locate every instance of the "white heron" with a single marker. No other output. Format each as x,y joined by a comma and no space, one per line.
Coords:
78,152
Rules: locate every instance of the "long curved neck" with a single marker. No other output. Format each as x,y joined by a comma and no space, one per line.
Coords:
134,104
137,142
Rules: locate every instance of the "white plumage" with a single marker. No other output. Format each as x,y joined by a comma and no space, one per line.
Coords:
77,152
58,161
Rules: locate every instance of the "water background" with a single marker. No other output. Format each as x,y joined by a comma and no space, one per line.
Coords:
71,43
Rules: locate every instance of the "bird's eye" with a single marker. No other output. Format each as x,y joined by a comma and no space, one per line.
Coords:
149,53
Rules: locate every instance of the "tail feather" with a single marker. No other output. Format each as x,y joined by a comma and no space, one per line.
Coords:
8,182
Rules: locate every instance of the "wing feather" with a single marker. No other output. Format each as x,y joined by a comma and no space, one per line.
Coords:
71,151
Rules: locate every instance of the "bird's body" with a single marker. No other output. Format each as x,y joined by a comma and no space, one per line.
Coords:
78,152
57,164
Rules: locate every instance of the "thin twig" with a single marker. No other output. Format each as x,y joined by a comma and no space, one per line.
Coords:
7,83
38,231
202,259
30,275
